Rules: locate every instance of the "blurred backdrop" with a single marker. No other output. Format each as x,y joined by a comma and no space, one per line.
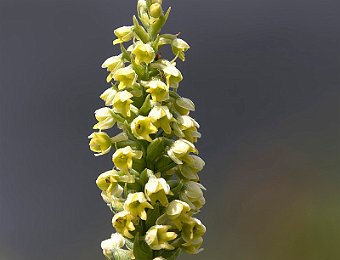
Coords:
264,75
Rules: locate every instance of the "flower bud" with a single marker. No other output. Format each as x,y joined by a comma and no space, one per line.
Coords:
109,245
180,150
122,158
105,119
116,241
100,143
158,237
122,103
108,95
143,53
124,34
142,11
142,127
126,77
193,195
156,189
184,105
156,10
158,89
192,230
189,170
136,204
113,64
123,224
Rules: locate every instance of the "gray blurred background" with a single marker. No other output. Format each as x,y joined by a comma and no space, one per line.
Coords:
264,75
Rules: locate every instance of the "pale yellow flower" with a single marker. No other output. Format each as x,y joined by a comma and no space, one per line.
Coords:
156,189
158,89
192,230
143,53
123,224
180,150
176,213
112,64
108,182
184,105
158,237
122,158
136,204
190,170
142,127
122,103
161,117
188,127
126,76
193,195
179,47
124,34
172,75
100,143
108,95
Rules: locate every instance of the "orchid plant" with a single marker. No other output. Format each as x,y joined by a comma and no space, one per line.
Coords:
153,189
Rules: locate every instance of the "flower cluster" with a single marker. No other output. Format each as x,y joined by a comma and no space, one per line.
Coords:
153,188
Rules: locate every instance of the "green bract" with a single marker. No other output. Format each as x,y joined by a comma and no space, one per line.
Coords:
153,188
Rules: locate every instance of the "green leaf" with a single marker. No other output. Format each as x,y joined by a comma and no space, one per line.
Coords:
146,107
138,164
126,54
153,215
139,69
155,43
144,177
171,255
141,250
164,164
156,149
140,31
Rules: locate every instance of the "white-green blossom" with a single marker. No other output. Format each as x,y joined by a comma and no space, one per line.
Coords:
193,195
180,151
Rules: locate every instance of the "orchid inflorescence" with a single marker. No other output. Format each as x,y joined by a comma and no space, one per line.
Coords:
153,189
